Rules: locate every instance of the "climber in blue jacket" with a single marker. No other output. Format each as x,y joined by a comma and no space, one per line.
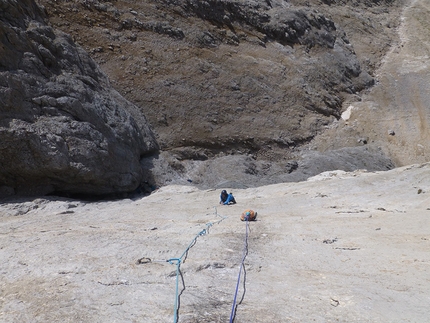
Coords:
226,198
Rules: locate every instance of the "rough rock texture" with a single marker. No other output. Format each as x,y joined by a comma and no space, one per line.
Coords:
247,92
395,113
63,128
242,171
234,80
341,247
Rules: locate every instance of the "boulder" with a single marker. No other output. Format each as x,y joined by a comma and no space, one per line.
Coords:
63,128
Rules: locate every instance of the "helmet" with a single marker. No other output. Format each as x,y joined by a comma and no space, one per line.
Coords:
224,192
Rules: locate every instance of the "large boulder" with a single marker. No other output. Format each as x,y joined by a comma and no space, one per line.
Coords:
63,128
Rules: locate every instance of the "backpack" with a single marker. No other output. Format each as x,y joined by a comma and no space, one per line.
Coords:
248,215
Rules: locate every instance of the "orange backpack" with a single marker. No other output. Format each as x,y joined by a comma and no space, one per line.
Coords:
248,215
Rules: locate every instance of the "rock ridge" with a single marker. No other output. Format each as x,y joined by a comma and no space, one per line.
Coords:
63,128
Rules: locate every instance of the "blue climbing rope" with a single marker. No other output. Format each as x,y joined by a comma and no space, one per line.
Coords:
242,264
181,259
178,264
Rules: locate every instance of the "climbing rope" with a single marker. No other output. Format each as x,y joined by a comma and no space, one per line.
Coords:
178,272
182,258
242,268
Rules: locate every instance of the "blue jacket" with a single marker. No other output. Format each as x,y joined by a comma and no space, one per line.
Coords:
228,200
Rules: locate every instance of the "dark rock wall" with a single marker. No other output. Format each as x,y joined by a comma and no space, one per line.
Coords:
63,129
256,79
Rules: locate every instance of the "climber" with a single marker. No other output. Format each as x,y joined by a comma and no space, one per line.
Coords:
226,198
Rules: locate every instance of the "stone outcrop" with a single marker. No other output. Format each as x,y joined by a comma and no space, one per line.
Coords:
292,62
253,84
63,128
227,82
341,247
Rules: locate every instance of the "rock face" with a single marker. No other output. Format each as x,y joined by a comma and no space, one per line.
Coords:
394,114
241,92
63,129
341,247
237,80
